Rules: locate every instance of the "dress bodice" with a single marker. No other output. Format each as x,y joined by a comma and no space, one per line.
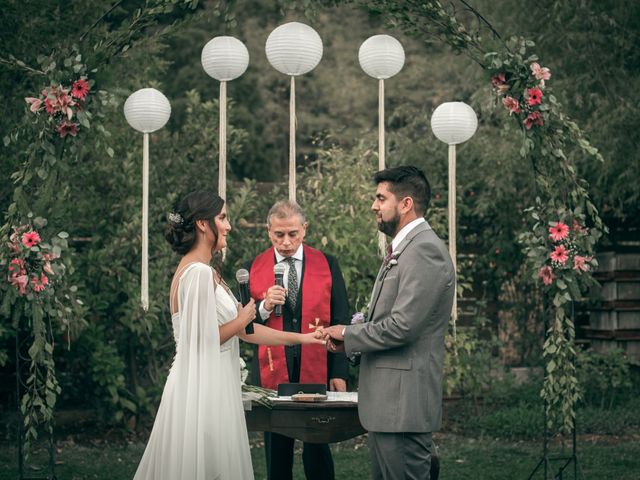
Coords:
226,311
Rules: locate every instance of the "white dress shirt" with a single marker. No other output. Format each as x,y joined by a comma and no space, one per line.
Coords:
401,235
264,313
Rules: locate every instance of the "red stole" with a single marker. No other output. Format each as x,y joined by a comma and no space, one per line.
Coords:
316,311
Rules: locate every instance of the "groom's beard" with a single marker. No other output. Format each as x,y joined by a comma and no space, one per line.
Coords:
390,227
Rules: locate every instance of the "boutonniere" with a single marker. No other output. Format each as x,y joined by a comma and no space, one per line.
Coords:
390,260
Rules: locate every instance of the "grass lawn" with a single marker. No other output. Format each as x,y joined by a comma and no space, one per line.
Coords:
600,457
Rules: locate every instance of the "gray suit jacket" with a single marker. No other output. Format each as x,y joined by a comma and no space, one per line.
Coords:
402,343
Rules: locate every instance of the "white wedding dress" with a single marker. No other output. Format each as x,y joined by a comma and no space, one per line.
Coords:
200,432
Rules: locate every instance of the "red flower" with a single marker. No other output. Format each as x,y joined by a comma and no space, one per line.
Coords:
80,89
546,274
67,128
512,105
559,231
560,254
30,239
535,96
534,118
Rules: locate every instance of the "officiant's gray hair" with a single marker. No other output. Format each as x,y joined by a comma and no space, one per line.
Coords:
285,209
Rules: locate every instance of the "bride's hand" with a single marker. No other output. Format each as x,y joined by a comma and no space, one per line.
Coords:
248,312
313,338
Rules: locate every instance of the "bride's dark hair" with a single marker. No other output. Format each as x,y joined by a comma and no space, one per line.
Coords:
198,205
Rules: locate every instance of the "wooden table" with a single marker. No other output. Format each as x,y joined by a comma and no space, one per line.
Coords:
319,422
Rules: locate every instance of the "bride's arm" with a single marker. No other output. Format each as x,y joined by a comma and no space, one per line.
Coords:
268,336
236,326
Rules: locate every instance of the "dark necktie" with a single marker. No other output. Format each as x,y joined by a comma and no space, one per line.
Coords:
292,294
387,257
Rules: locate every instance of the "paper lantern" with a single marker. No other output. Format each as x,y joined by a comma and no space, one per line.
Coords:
224,58
147,110
294,48
381,56
454,122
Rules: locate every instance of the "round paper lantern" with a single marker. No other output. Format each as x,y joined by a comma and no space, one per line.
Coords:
381,56
147,110
294,48
454,122
224,58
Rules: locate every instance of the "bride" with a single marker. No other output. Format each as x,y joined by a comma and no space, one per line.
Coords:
200,432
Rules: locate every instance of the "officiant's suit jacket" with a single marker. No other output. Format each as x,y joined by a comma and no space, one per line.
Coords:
402,342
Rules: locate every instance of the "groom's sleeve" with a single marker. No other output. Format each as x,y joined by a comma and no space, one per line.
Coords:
338,365
425,279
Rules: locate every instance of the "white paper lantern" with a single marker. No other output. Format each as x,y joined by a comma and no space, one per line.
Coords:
381,56
225,58
294,48
454,122
147,110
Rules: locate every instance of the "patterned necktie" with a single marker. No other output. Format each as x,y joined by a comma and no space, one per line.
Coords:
387,257
292,294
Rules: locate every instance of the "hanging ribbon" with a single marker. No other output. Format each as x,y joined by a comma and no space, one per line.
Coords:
452,232
222,142
144,293
292,141
382,239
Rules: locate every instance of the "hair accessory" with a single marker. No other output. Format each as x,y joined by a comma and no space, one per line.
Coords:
175,218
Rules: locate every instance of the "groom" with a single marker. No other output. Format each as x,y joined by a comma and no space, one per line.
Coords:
402,342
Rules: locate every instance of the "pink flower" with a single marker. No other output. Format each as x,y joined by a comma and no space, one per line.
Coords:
67,128
534,118
498,79
512,105
499,83
559,231
580,263
576,227
57,99
47,268
20,282
560,254
535,96
36,104
80,89
30,239
39,284
16,267
541,73
546,274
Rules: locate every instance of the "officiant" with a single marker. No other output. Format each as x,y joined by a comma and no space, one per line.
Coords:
314,295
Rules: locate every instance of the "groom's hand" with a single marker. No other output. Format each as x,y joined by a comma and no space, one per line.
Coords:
334,338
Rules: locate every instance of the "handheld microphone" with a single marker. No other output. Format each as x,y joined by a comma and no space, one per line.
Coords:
278,270
242,277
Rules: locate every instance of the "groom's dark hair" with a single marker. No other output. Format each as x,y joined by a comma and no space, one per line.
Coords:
407,181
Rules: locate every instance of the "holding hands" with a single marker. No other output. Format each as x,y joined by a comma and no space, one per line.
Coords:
334,337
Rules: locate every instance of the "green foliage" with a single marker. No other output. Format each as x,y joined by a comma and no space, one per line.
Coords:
469,362
605,377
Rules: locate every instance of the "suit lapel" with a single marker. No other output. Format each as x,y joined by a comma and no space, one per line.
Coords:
377,287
